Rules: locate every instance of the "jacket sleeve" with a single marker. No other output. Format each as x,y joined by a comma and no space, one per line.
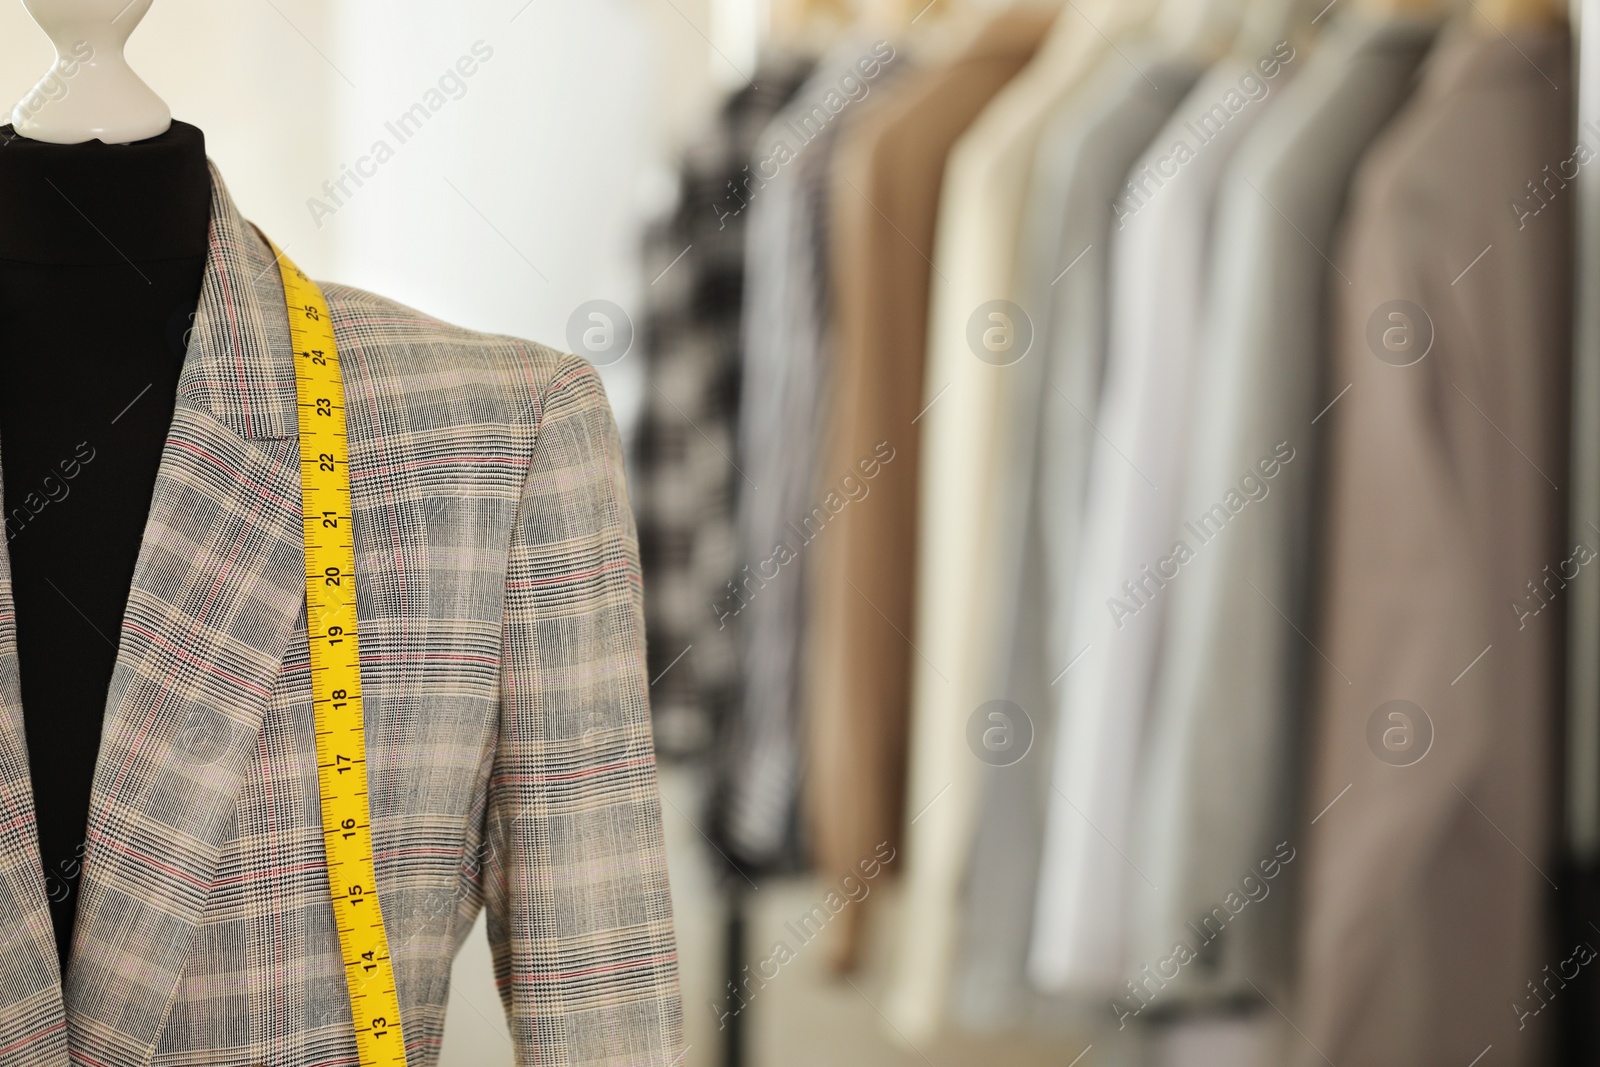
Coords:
575,875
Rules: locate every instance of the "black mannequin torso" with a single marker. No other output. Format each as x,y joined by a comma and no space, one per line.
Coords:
102,252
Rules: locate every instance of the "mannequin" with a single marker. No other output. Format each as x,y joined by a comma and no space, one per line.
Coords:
101,261
90,92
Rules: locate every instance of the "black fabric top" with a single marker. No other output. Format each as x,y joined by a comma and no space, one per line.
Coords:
102,251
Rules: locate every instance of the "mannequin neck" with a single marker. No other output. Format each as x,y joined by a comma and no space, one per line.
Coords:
94,203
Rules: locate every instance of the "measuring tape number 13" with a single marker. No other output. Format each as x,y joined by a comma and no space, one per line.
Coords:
336,672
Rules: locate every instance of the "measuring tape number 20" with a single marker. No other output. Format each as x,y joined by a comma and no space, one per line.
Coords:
336,672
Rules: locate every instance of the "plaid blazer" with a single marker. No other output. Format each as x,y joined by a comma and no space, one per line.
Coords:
508,731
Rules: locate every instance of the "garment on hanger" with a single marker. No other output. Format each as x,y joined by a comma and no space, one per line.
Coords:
1090,141
884,199
1159,260
1216,798
1582,741
685,486
1579,874
1447,562
974,258
508,736
791,500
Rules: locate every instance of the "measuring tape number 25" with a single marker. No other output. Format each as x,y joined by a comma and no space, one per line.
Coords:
336,672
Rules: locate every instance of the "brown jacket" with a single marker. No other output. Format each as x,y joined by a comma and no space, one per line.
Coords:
1444,564
886,184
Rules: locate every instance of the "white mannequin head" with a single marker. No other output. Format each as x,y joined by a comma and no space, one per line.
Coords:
90,92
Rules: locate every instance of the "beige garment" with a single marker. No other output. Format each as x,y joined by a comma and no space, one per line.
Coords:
963,429
885,195
1425,902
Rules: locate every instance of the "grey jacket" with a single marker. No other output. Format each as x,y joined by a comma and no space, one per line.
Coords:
507,724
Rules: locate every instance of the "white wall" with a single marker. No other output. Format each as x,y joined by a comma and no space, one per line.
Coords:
239,72
515,203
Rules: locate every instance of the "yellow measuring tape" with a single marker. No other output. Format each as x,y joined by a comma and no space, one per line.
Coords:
336,672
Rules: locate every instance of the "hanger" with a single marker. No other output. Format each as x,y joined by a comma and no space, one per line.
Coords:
932,30
1266,22
1501,15
1204,28
1405,8
809,25
897,14
912,16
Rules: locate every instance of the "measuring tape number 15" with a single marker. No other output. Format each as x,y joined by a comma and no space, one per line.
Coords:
336,672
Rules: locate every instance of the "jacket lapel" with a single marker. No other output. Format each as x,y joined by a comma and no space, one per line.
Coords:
33,1026
216,595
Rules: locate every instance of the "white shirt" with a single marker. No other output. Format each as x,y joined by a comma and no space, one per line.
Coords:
1136,489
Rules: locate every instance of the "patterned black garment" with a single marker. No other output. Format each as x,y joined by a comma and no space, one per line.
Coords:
685,480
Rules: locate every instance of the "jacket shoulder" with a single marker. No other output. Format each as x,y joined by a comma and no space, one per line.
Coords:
445,373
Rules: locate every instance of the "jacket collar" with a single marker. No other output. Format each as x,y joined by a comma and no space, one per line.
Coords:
238,366
215,599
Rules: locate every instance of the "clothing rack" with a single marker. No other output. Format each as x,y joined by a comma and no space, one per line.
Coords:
1583,725
733,957
1582,740
1580,886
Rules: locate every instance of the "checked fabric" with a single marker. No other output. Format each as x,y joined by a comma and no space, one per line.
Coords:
508,730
